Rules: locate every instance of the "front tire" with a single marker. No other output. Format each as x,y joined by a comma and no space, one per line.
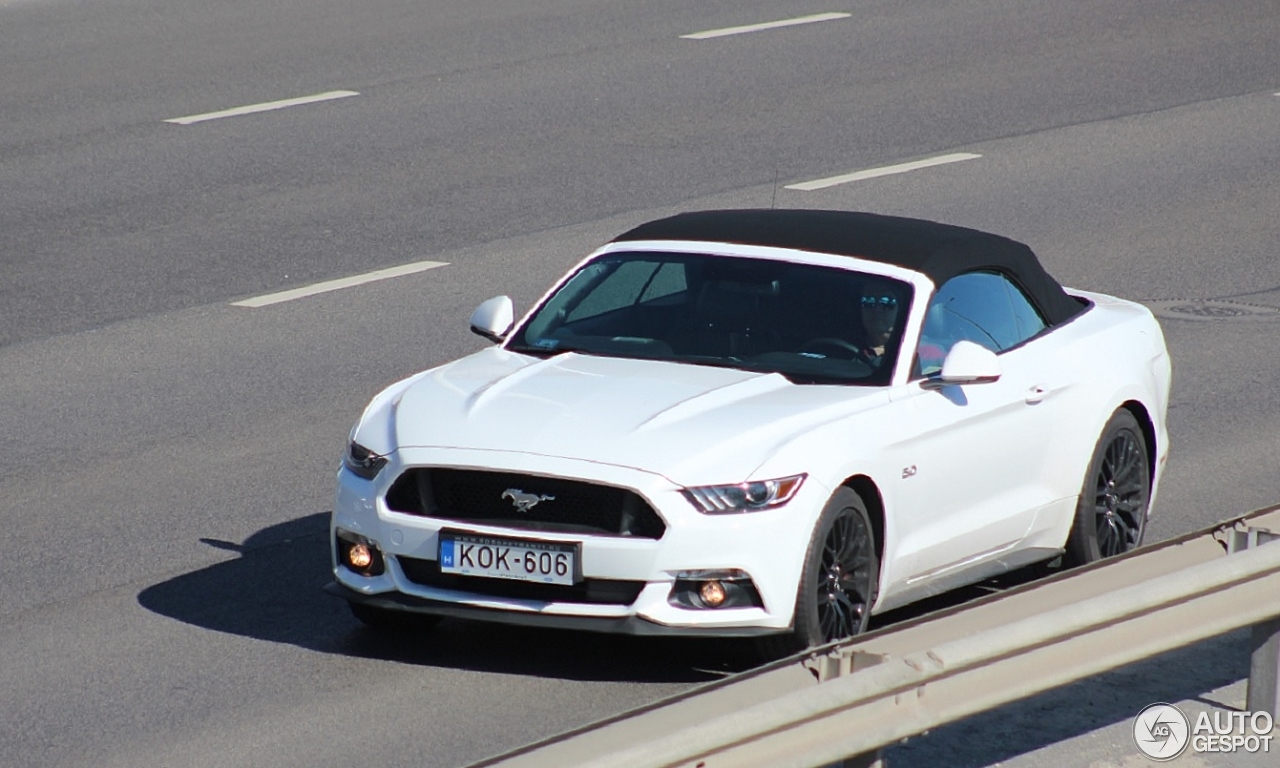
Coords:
1111,515
840,579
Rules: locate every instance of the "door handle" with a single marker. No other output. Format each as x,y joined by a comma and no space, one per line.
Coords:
1037,393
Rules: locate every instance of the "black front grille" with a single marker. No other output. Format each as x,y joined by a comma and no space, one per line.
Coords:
502,498
593,591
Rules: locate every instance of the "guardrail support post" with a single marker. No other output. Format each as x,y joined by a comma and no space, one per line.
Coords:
1264,666
1264,670
869,760
833,665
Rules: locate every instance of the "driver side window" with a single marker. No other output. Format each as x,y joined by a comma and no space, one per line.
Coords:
983,307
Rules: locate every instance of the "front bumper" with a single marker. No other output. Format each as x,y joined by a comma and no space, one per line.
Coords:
623,625
768,546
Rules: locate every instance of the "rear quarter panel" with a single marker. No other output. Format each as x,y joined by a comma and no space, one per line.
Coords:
1111,355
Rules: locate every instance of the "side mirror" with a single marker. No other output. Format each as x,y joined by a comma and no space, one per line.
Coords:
966,363
493,318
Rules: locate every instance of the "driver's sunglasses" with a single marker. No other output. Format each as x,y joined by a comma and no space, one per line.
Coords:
880,302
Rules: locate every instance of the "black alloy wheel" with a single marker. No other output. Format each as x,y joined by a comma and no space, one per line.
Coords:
839,582
844,577
1112,513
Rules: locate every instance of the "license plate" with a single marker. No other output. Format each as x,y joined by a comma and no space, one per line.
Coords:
545,562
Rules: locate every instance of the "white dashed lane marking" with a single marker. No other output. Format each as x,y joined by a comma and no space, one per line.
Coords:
265,107
767,25
888,170
339,284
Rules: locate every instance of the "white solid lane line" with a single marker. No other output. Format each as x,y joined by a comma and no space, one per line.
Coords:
334,285
767,25
887,170
266,107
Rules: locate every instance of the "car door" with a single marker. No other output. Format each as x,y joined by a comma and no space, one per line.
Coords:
972,456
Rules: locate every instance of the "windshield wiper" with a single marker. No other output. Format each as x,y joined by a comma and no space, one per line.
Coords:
721,361
558,350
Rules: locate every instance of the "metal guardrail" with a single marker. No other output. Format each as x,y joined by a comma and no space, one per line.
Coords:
855,697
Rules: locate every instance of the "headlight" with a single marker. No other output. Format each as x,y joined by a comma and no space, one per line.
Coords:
362,461
744,497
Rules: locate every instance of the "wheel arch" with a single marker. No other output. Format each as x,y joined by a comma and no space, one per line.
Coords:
869,492
1148,427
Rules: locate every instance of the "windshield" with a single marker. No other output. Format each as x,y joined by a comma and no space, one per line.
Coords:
812,324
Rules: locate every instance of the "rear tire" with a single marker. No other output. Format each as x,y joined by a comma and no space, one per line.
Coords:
1111,516
840,580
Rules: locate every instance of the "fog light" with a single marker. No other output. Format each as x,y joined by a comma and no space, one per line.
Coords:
360,556
709,589
712,593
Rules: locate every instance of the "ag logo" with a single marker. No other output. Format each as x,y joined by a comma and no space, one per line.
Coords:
1161,732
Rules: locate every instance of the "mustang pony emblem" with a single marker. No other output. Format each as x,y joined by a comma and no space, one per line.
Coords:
524,501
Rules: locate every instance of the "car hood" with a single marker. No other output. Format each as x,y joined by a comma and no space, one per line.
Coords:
690,423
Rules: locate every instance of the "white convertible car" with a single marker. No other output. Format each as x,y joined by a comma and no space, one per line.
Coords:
767,423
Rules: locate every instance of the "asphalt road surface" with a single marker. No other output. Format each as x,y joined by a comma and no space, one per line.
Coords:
169,453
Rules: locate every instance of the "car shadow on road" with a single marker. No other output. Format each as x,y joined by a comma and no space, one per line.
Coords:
272,590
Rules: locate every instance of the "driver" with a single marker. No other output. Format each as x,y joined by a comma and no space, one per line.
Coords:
881,308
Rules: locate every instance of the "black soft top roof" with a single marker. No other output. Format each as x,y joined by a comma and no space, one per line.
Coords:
939,251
